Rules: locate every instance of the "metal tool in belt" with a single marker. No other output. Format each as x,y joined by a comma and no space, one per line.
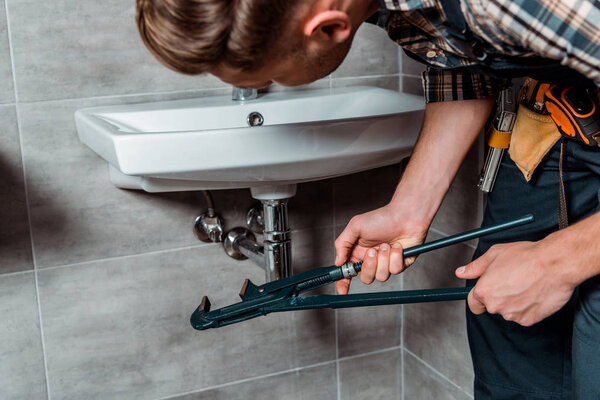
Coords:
283,295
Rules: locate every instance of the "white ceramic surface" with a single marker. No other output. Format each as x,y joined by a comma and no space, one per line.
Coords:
206,143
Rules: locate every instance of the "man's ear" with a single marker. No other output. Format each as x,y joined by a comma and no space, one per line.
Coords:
332,25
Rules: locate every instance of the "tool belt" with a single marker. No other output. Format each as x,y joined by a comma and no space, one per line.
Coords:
536,130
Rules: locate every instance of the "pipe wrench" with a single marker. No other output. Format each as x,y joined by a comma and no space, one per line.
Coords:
283,295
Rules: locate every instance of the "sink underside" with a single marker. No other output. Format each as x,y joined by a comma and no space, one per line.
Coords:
207,143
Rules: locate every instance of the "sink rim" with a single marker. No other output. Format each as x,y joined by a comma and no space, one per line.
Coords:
119,148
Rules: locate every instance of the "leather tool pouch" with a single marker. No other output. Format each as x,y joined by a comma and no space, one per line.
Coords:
532,138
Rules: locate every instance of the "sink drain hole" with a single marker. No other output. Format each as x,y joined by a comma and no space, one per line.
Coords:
255,119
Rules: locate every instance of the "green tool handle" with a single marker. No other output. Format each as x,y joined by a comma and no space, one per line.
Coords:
461,237
450,240
370,299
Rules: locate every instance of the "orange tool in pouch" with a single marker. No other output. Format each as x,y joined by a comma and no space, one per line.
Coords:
576,113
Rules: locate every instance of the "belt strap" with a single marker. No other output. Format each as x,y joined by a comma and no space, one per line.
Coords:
563,217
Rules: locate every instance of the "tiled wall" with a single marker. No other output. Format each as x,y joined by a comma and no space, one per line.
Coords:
97,283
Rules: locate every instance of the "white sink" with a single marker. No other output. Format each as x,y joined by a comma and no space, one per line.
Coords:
206,143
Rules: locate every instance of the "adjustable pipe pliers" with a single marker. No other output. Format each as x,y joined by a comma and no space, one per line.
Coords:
283,295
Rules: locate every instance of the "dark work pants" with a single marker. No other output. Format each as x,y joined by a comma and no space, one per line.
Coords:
559,357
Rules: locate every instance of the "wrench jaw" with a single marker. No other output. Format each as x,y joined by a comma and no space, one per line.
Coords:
249,290
200,319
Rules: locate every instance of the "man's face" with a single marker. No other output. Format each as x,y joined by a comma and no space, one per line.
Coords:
293,70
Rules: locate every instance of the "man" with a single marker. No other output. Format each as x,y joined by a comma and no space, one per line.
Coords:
524,316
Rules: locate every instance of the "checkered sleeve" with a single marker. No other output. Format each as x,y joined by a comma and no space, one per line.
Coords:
561,30
449,85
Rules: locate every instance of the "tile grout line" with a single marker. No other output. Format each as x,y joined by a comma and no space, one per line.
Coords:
27,204
330,85
291,370
337,340
126,256
126,95
152,252
444,377
370,353
246,380
17,273
345,78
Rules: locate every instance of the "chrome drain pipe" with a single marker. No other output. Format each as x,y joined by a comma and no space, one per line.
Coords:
275,253
277,241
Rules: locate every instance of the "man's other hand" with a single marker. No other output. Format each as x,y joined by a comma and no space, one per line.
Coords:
519,281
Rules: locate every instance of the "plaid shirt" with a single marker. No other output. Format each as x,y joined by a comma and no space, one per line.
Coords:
565,30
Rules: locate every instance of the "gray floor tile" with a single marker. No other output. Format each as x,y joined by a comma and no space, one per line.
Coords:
22,366
421,383
436,332
372,53
15,243
7,94
120,328
84,48
316,383
371,377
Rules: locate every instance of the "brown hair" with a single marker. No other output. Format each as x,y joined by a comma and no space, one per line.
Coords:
193,36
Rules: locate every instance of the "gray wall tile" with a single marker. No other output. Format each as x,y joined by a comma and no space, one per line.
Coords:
410,66
312,248
461,209
372,53
77,214
371,377
362,330
322,83
364,191
7,94
387,82
312,206
22,366
365,329
420,382
15,243
412,85
82,48
120,328
65,176
316,383
436,332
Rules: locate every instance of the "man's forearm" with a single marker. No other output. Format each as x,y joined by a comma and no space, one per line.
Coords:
448,132
575,250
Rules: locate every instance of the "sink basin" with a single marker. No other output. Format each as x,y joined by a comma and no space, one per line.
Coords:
207,143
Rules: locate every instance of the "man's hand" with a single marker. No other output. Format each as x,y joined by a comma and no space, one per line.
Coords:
378,238
520,281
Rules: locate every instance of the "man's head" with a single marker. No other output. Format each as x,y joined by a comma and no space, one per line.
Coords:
251,43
